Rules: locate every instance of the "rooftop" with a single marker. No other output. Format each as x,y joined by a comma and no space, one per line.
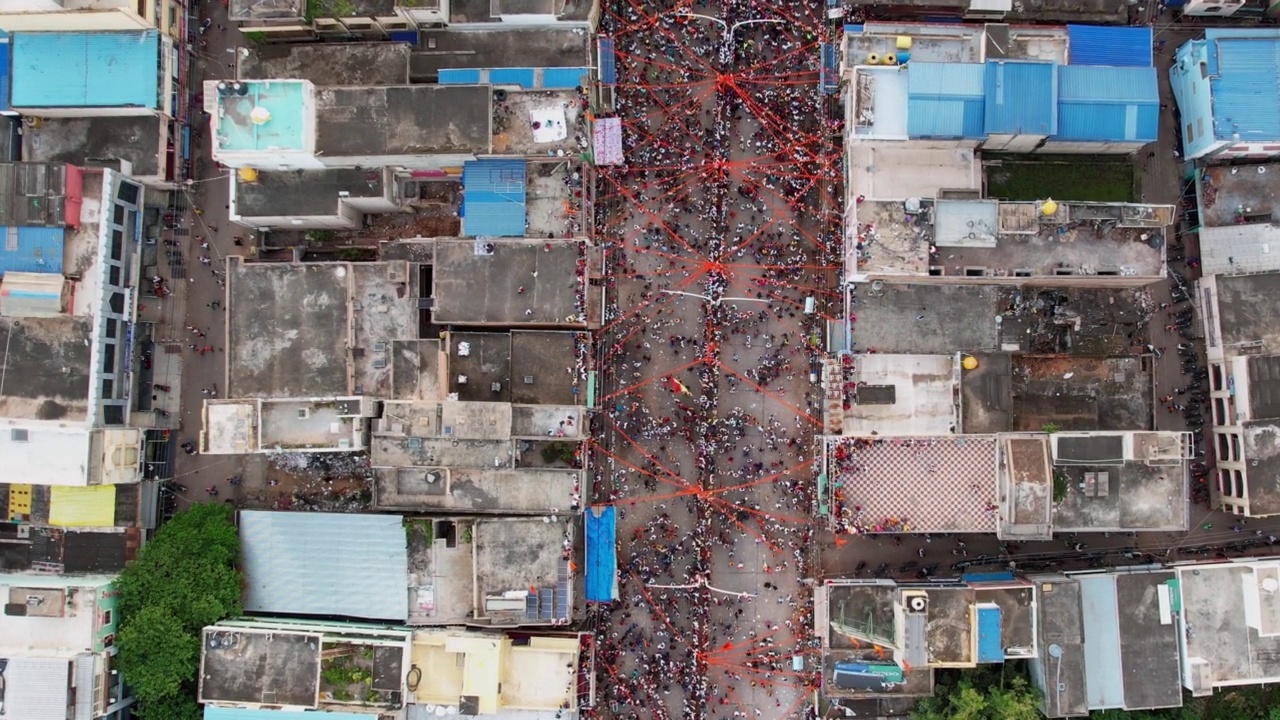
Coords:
481,11
62,622
257,10
141,140
534,47
1024,393
51,356
947,43
891,170
79,552
365,553
528,366
538,673
326,63
1131,659
469,490
1039,11
1248,312
417,368
303,192
270,668
261,115
1222,646
1262,448
402,120
990,238
1120,481
35,194
941,319
1060,622
507,282
86,70
539,122
1263,381
514,555
923,485
442,586
1238,194
902,395
329,318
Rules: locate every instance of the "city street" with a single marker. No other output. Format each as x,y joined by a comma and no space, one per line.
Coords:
719,231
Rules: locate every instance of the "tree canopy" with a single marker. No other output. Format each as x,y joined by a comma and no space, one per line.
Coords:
987,692
184,579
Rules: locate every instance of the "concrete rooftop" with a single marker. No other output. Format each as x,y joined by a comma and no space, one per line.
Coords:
1248,308
1232,193
903,395
890,171
1262,450
403,120
326,63
303,192
475,288
989,238
538,47
141,140
47,362
513,119
324,317
1024,393
1144,487
1215,624
517,554
277,668
530,367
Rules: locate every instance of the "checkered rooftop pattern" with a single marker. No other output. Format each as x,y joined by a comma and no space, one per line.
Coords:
930,485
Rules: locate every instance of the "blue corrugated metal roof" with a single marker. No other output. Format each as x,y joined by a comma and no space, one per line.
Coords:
828,79
6,70
1245,84
1108,103
512,76
945,100
608,61
1021,98
564,78
306,564
1103,672
1114,46
86,69
493,198
460,76
990,645
37,250
213,712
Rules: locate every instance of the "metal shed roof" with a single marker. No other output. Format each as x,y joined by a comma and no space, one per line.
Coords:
945,100
1021,98
86,69
512,76
608,61
6,70
1114,46
990,622
1245,83
325,564
460,76
1108,103
31,249
563,78
493,198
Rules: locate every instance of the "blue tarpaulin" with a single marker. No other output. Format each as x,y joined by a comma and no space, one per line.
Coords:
601,548
828,78
512,76
493,198
31,249
459,76
608,61
990,646
564,78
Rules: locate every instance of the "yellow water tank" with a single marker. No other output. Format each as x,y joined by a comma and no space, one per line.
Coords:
873,59
890,59
969,362
247,174
904,42
1049,207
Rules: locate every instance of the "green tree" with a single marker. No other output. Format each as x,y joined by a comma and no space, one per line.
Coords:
184,579
983,693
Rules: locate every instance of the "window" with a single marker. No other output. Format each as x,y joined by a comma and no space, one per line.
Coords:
1191,135
113,275
128,192
112,328
117,244
1237,483
112,415
1235,448
117,303
108,388
19,435
1200,126
1224,446
109,357
1219,411
1215,376
107,616
117,214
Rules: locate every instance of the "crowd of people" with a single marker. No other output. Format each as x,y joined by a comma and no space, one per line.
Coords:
720,257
